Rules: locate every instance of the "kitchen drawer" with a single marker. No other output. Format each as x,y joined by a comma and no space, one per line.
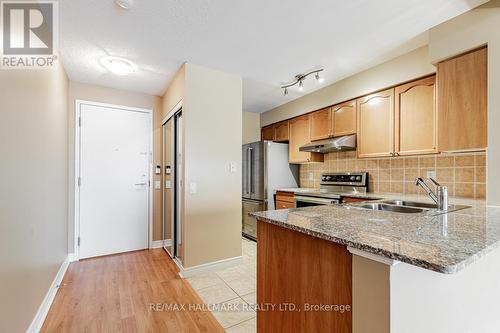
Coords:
284,205
285,196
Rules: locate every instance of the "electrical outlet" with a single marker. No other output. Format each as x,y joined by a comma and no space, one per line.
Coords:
431,174
311,176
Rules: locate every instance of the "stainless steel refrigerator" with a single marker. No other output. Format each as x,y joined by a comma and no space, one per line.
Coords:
265,168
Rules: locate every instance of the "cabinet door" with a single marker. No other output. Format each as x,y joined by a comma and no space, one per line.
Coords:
462,102
415,117
321,124
376,124
344,118
267,133
299,135
281,131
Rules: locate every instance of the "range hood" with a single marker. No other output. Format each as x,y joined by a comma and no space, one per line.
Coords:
342,143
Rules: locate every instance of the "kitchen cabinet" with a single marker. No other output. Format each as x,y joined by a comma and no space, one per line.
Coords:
300,134
376,124
284,205
267,133
344,119
321,124
462,102
281,131
416,117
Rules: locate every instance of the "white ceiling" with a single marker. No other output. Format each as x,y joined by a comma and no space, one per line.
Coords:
267,42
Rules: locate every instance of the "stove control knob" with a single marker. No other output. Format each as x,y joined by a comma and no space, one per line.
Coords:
353,178
358,178
328,177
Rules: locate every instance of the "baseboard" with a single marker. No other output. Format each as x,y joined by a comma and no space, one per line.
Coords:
206,268
43,310
159,243
72,257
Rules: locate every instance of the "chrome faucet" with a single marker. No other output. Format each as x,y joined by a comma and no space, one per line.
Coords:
441,195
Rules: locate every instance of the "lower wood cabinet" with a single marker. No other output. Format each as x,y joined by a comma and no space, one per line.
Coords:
300,134
376,124
284,205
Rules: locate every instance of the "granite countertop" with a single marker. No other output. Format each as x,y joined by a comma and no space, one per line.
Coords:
444,243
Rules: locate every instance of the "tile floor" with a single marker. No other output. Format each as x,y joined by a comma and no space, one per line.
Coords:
234,287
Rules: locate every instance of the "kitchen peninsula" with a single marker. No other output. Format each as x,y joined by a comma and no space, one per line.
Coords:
417,272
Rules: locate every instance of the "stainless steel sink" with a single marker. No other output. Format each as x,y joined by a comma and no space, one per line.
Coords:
406,207
411,204
390,208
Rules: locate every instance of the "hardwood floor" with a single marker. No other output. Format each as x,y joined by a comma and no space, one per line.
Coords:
115,294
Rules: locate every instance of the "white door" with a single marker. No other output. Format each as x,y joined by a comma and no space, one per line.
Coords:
114,171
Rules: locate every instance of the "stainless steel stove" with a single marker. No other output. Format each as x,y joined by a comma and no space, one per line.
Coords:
333,187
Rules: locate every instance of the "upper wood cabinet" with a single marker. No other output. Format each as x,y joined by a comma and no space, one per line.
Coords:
300,134
462,102
321,124
281,131
344,119
376,124
416,117
267,133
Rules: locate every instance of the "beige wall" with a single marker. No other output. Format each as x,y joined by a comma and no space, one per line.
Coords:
33,195
251,127
212,117
465,32
93,93
175,91
404,68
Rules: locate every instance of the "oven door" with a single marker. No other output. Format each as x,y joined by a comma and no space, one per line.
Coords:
306,201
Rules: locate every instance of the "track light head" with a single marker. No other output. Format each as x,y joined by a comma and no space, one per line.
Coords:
319,78
301,86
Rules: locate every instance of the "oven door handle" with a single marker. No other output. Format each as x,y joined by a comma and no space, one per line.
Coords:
320,201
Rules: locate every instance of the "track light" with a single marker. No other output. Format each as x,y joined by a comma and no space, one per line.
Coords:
319,79
299,79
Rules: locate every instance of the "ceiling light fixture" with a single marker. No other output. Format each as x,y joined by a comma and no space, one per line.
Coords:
118,66
125,4
299,79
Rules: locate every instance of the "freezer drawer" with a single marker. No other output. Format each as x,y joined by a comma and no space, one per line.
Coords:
249,223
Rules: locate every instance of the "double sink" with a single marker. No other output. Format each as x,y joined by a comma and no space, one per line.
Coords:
406,207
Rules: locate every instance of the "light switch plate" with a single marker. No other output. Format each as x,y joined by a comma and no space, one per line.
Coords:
232,167
193,188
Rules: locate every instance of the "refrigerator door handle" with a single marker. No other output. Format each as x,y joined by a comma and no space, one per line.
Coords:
251,170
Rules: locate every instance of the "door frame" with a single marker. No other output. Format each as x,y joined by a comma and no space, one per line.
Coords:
175,213
76,169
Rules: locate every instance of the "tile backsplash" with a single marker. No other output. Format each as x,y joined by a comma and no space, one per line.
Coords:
463,173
